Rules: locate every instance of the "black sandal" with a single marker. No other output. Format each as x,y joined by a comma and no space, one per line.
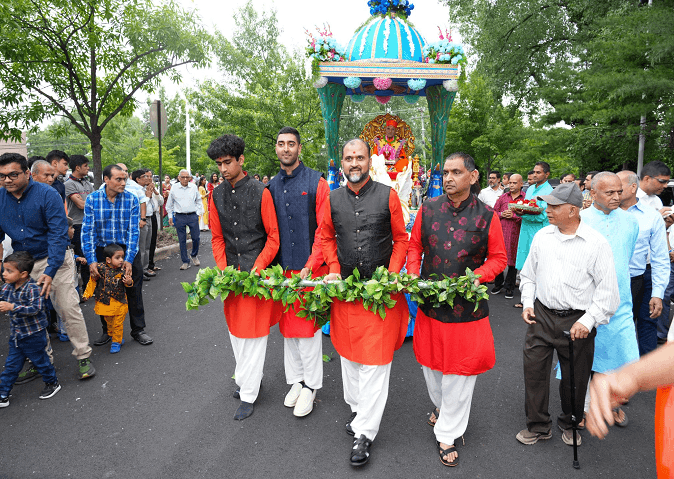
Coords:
434,417
447,452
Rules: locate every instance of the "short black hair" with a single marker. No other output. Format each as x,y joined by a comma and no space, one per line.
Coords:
531,172
545,165
138,173
256,176
291,130
507,174
226,145
56,155
7,158
591,174
468,160
77,160
495,172
23,260
655,168
355,140
107,172
35,158
110,250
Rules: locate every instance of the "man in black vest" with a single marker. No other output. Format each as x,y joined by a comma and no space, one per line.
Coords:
299,197
363,227
244,235
454,344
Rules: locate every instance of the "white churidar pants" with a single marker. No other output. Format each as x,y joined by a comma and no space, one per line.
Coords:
453,394
303,360
366,391
249,354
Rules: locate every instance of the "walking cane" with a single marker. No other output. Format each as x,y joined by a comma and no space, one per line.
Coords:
574,420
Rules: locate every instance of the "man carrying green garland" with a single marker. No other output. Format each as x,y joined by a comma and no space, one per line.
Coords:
454,344
363,228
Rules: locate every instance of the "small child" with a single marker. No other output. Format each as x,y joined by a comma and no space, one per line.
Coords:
28,337
110,294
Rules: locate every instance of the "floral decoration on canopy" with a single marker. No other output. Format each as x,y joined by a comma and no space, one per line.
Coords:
382,7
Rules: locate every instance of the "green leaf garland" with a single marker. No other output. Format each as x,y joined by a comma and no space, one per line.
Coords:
375,293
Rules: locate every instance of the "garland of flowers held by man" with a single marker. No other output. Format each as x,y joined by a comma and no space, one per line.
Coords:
375,293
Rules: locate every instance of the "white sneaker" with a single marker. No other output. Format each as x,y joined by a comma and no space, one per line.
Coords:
305,403
293,394
195,261
185,266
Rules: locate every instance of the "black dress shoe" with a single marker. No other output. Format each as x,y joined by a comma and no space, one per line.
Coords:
142,338
149,273
349,430
360,453
146,278
104,339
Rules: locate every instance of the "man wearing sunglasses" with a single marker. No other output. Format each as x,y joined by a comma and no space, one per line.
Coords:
654,178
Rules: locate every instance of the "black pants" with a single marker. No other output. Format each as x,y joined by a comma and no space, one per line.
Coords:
510,278
542,338
134,294
637,287
153,240
77,246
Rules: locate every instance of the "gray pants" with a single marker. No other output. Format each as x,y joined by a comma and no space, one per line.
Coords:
144,236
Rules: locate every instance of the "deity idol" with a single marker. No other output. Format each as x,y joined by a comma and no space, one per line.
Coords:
392,148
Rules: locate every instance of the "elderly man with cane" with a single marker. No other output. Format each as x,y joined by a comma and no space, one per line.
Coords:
568,284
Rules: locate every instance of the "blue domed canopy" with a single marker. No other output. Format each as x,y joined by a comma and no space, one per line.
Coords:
385,38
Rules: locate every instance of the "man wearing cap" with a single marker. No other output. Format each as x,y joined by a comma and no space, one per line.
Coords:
616,342
568,283
392,148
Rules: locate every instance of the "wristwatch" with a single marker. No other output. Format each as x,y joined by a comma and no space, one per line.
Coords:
144,219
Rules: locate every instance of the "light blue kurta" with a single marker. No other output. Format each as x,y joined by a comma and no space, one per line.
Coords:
616,342
531,224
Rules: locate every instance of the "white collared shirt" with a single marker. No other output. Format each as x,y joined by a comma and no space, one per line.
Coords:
489,195
184,199
649,200
572,272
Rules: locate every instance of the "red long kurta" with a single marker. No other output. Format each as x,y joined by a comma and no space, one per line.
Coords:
510,226
249,317
464,349
291,326
360,335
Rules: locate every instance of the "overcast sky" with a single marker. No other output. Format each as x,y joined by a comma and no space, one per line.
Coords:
344,16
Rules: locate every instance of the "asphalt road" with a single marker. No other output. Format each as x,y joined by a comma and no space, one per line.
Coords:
165,411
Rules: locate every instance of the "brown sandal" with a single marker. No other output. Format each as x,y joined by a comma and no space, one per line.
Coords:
434,417
447,452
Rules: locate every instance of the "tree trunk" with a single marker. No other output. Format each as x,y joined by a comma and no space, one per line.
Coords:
96,149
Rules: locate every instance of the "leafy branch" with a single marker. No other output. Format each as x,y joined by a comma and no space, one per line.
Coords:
314,297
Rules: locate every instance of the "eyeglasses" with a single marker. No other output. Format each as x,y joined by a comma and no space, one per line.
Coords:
661,181
184,177
12,176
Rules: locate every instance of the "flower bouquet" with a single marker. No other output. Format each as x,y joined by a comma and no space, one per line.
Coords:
382,7
525,206
444,51
323,48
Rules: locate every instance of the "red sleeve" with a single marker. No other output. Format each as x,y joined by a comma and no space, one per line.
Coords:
217,240
270,223
400,238
315,260
416,249
497,259
328,240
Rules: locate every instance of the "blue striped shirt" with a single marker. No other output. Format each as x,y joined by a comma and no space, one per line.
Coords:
106,222
29,315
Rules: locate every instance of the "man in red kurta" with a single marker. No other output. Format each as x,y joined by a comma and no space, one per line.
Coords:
510,223
299,195
244,235
454,344
363,227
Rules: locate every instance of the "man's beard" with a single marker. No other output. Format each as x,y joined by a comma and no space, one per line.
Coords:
288,162
352,178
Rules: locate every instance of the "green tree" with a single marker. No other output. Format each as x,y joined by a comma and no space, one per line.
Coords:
86,60
148,157
264,89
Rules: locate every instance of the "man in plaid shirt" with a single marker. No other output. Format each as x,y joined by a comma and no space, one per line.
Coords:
111,215
20,298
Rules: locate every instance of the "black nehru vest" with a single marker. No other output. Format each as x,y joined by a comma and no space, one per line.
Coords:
362,227
240,211
454,239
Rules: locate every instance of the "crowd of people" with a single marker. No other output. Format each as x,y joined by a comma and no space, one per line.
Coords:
595,263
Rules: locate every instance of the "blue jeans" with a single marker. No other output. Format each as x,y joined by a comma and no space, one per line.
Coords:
33,348
663,320
181,221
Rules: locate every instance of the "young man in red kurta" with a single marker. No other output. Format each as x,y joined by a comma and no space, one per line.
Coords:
363,227
454,344
244,235
299,195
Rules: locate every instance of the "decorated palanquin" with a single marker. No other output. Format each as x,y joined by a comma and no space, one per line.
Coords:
391,137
